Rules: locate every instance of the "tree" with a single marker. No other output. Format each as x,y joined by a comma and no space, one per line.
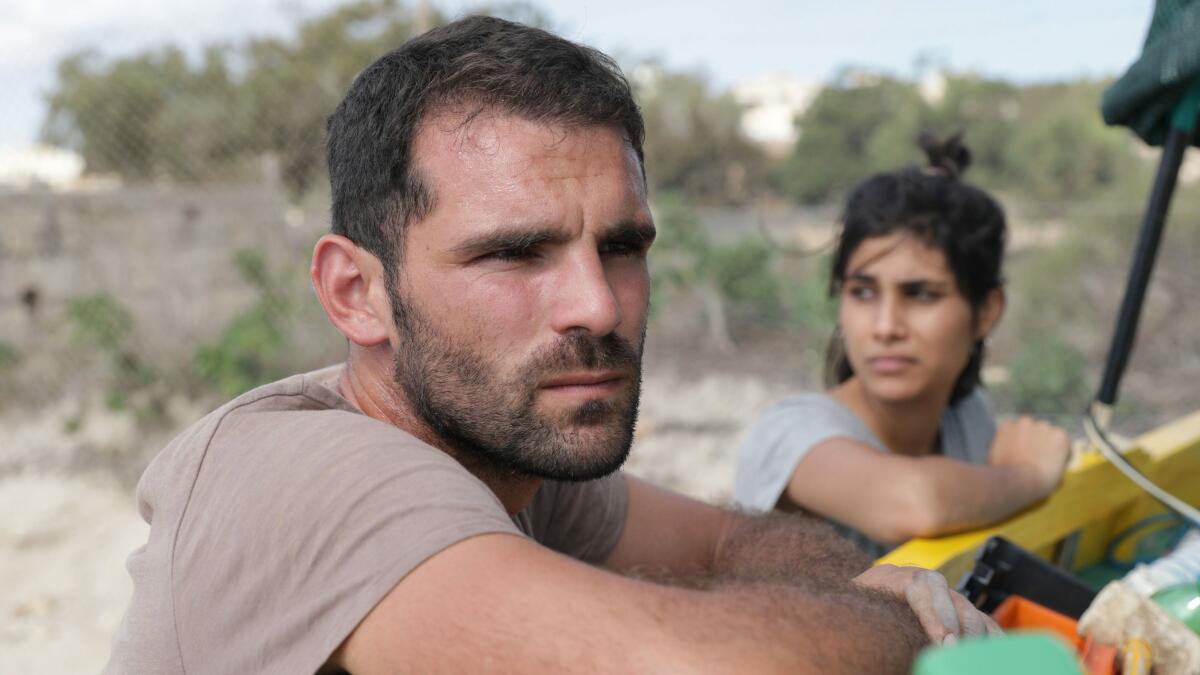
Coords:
111,113
735,283
694,143
157,115
1061,148
987,112
859,124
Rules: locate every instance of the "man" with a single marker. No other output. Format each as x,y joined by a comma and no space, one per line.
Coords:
448,499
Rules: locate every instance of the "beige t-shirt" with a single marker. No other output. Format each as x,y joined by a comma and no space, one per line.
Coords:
279,520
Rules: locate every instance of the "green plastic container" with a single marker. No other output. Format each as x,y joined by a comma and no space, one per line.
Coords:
1028,652
1182,602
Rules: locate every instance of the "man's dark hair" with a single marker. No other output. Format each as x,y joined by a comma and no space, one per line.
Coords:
473,65
932,204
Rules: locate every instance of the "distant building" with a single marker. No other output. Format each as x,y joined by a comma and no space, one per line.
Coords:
25,167
933,88
772,103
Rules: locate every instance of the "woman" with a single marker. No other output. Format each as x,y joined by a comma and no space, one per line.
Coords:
904,443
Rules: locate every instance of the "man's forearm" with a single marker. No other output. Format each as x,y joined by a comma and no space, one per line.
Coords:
810,626
781,547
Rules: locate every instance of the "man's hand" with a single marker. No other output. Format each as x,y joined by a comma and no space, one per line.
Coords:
1038,447
944,614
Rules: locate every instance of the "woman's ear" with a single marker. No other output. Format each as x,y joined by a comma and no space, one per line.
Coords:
989,313
351,287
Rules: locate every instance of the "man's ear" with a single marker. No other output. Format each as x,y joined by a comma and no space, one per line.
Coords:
350,285
990,313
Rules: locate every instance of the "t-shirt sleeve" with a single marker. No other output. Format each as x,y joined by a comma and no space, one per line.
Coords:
582,520
781,438
299,524
969,427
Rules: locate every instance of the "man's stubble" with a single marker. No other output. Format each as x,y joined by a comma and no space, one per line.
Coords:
468,404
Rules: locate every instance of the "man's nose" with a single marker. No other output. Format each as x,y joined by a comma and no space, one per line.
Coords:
889,319
584,297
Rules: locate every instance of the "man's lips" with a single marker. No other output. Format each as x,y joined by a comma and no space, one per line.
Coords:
590,383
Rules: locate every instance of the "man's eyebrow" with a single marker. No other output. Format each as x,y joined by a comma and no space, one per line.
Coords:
517,238
631,231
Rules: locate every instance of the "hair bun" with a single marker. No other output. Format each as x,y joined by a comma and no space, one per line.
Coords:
949,157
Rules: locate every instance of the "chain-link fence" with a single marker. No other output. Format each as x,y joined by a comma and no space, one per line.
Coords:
154,245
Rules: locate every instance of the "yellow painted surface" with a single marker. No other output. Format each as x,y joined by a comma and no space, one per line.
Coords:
1095,499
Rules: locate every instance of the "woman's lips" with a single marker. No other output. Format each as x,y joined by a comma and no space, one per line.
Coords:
886,365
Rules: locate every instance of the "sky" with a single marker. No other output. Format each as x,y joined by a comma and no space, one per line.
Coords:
1021,40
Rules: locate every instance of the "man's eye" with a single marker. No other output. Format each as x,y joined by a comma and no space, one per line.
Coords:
861,292
924,295
622,249
511,254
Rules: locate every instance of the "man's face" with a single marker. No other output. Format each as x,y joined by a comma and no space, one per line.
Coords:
521,305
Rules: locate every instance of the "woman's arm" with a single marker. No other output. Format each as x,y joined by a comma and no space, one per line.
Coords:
893,498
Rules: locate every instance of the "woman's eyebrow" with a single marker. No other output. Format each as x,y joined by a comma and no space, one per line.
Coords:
923,283
861,277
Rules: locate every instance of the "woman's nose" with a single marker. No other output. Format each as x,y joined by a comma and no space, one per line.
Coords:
889,320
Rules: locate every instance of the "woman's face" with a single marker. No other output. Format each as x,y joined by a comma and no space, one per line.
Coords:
908,330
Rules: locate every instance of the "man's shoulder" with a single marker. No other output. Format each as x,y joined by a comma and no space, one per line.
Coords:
285,425
305,392
298,404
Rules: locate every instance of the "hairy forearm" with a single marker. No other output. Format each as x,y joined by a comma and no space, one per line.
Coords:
783,547
807,626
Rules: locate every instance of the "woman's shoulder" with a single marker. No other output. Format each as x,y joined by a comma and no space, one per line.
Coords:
810,416
969,426
974,407
781,437
809,403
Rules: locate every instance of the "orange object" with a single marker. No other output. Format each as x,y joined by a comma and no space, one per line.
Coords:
1017,613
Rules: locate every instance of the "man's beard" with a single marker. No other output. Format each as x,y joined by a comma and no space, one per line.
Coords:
466,403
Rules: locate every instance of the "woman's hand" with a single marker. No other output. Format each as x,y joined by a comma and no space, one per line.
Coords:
1039,448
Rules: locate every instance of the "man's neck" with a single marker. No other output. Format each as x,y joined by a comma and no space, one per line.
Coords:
376,396
905,427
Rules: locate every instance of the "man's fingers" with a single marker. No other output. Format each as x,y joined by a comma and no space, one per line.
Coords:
930,599
943,600
920,600
972,621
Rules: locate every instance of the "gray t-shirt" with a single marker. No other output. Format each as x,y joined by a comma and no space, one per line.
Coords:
279,520
794,426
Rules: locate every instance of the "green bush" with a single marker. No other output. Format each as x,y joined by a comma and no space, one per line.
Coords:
1047,379
9,357
243,357
743,276
102,322
807,300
